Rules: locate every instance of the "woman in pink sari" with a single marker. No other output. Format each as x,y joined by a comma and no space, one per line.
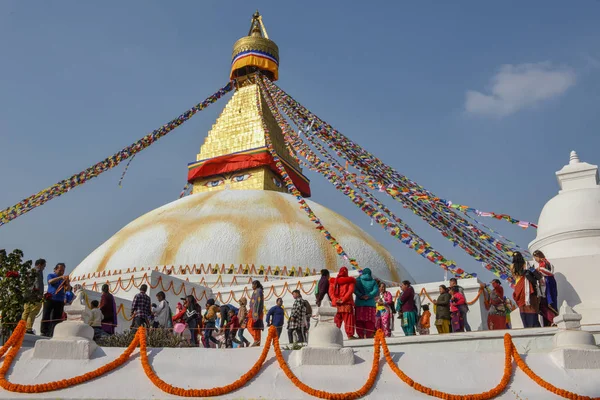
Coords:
385,311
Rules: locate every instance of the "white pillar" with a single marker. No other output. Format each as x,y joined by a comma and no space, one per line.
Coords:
73,338
574,348
325,342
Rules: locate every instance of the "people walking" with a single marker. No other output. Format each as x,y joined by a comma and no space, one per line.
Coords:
162,312
275,316
243,319
232,327
549,289
456,316
442,310
141,308
297,318
464,308
108,307
255,316
524,293
35,297
341,289
425,320
405,306
496,319
385,311
322,288
193,318
210,323
366,290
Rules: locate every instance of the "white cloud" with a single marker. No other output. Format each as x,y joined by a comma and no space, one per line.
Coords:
515,87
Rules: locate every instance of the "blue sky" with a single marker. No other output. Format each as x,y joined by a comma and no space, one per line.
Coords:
480,102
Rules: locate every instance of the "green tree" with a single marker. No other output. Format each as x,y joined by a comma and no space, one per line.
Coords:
16,283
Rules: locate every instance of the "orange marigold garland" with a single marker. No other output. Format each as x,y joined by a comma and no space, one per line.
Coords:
218,391
449,396
328,395
546,385
19,334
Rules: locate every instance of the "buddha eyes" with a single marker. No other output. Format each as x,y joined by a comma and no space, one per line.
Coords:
215,183
241,178
235,179
277,182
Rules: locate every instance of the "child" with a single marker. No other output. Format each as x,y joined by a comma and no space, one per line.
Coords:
232,327
424,322
96,319
243,320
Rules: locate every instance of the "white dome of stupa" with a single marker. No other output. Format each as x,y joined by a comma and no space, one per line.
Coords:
239,227
569,224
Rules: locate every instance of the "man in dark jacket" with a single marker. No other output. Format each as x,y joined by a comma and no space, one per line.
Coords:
275,316
323,287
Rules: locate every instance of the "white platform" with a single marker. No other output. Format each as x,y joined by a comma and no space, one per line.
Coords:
478,372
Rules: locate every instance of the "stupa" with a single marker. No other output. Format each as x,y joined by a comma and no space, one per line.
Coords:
239,223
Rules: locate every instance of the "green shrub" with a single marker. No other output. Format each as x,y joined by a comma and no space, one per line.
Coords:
155,337
16,283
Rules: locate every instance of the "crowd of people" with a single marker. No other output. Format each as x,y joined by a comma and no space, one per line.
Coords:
364,305
222,325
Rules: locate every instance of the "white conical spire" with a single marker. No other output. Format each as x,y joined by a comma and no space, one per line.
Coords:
574,158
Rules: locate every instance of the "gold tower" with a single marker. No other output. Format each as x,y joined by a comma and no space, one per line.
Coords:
234,154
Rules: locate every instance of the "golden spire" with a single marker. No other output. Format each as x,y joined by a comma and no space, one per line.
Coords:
234,154
255,52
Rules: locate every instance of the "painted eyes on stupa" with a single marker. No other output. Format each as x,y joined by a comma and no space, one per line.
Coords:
215,183
235,179
240,178
277,182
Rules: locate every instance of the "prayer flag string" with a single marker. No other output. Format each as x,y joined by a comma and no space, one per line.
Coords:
82,177
397,228
493,251
294,190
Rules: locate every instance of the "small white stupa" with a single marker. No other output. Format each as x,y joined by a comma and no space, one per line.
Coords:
569,236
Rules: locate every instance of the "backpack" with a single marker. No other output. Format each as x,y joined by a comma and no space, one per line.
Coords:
308,308
534,277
